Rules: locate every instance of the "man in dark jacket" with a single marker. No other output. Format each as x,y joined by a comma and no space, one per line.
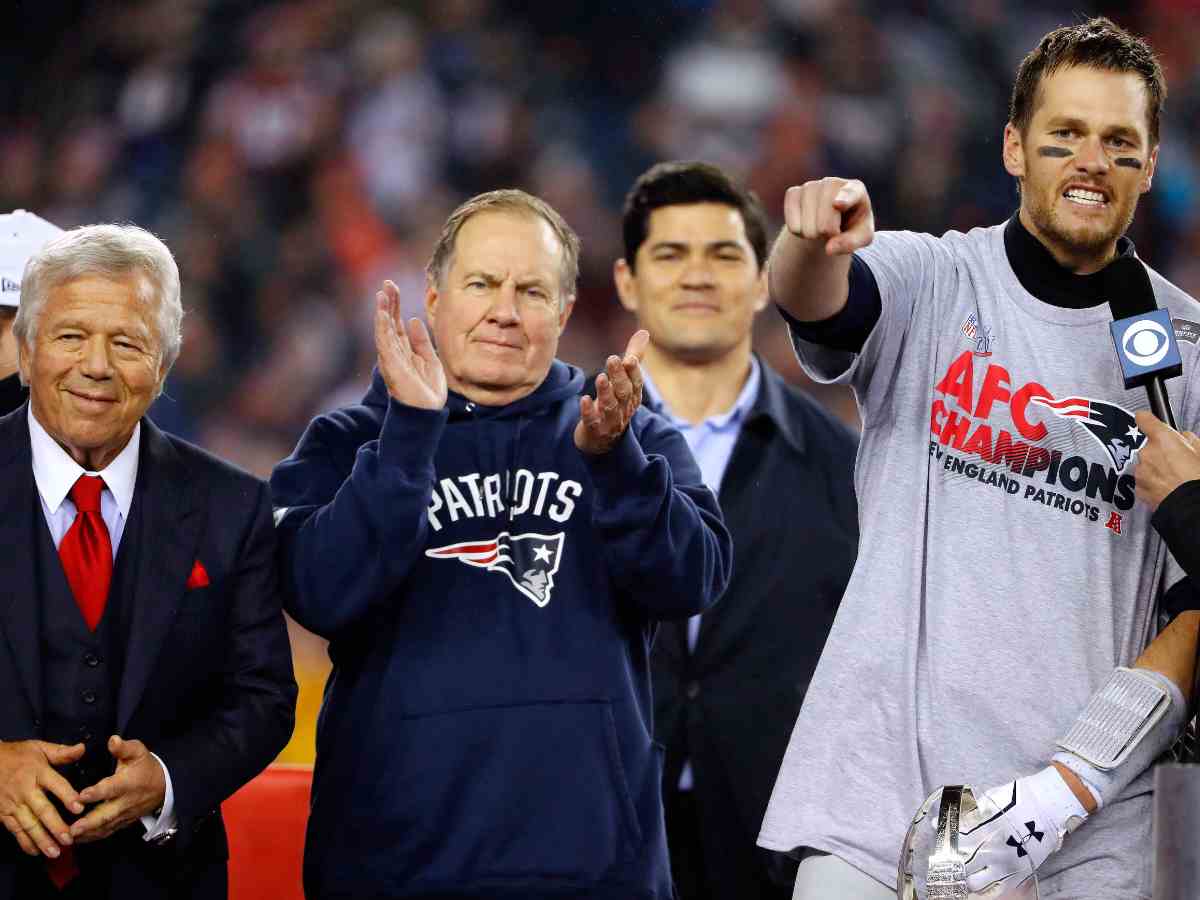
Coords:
728,684
21,235
489,555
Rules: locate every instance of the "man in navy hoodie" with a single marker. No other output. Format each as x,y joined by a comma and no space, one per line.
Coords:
488,552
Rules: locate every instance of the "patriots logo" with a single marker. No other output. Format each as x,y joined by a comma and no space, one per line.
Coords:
1113,427
529,560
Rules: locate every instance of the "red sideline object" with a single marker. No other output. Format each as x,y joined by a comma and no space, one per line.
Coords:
265,821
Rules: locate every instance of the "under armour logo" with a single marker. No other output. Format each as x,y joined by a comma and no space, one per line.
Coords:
1020,844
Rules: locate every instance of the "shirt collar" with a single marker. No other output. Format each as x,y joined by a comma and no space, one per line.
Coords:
741,407
55,472
774,404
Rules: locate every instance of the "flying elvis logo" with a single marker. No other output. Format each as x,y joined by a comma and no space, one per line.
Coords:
529,560
1114,428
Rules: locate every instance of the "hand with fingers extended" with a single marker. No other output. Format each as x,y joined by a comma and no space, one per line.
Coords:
27,775
618,395
835,211
407,361
137,788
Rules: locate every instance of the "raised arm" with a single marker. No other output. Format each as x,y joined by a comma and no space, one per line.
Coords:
663,536
350,508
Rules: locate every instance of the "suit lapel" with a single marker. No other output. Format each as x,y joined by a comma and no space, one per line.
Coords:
169,531
767,421
673,636
20,614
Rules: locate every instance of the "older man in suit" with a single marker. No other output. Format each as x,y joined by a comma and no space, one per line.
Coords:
142,648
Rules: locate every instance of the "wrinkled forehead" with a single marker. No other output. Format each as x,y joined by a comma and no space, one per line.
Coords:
507,240
126,300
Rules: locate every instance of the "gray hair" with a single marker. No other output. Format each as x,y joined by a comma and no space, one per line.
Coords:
110,251
508,200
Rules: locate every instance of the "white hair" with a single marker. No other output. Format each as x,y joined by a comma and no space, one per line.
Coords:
110,251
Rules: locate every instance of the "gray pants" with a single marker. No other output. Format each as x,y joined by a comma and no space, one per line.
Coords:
822,876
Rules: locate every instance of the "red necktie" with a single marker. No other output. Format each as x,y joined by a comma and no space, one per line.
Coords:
86,551
64,870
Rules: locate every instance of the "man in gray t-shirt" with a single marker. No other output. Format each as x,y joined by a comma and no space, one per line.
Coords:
1005,567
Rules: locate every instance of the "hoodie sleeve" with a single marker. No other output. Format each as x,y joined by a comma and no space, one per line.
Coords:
352,521
665,541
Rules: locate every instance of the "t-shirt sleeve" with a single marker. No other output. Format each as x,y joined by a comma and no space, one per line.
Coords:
906,268
849,328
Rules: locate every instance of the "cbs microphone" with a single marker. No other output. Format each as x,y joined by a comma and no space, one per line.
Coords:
1142,333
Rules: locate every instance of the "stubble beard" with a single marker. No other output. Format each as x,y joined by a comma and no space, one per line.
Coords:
1080,243
705,347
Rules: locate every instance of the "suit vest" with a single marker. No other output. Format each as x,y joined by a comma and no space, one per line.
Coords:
81,670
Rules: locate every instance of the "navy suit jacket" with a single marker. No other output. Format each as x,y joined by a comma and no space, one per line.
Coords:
730,704
207,683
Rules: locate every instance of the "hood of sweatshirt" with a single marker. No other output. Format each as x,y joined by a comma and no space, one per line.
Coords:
561,382
498,445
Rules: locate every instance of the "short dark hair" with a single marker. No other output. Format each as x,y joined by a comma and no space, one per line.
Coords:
676,183
1098,43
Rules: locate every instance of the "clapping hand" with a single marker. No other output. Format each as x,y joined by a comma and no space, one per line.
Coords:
407,361
618,395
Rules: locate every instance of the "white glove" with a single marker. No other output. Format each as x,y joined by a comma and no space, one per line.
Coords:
1014,829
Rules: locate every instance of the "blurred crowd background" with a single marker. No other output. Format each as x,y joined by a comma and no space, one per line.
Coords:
294,154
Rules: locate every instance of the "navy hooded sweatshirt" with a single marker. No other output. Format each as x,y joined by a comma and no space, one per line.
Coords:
489,593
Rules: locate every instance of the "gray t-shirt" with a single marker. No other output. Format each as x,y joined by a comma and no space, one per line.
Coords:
1004,567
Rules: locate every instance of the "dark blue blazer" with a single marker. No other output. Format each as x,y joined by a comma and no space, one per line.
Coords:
207,683
730,704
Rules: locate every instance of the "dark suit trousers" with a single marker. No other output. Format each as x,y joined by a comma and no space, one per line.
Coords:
34,884
714,857
120,876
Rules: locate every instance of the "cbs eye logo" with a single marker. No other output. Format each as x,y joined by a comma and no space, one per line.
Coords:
1145,343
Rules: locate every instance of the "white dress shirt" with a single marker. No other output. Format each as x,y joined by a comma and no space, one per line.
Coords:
55,473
